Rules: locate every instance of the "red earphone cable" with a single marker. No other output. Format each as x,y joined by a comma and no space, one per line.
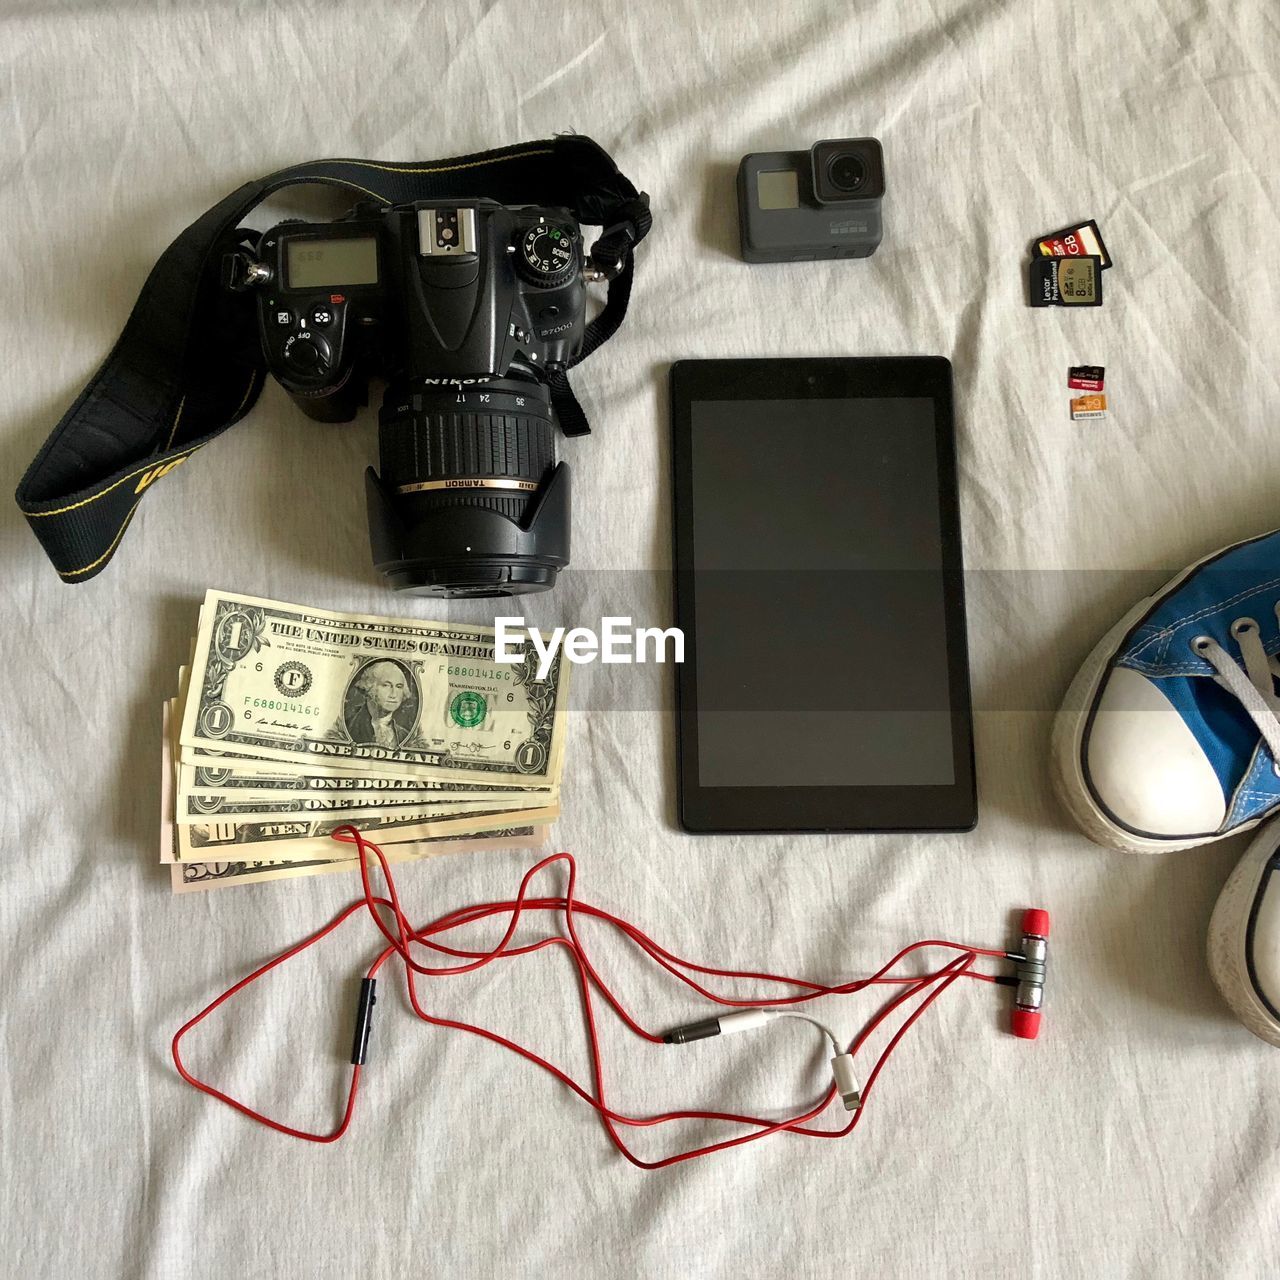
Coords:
401,937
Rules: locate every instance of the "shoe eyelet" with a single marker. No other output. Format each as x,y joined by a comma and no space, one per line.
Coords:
1242,627
1201,643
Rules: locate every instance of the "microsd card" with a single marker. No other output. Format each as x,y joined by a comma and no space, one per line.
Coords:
1085,377
1089,407
1066,282
1084,240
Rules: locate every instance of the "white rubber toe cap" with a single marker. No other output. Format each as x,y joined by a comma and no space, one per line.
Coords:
1145,764
1264,945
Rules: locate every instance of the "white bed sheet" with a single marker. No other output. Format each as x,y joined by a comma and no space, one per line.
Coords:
1140,1136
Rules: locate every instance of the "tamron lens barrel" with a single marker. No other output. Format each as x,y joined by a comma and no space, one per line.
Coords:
466,472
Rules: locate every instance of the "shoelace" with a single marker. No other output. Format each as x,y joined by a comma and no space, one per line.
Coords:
1254,686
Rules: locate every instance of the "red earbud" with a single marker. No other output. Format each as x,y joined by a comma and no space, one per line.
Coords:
1031,962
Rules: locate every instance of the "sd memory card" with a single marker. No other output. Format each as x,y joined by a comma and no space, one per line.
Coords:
1086,377
1066,282
1089,407
1082,240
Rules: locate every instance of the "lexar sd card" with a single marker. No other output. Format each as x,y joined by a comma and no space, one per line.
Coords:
1066,282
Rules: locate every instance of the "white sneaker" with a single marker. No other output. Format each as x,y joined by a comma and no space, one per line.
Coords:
1244,938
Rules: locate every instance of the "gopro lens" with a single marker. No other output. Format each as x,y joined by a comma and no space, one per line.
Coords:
846,172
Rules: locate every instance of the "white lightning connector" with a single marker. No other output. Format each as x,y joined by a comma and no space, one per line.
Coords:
846,1081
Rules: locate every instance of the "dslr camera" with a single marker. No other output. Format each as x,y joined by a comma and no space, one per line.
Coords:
468,310
795,206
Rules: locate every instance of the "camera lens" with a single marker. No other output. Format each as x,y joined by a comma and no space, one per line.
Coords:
470,501
847,172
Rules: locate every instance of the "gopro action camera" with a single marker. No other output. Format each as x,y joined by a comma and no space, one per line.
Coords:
795,206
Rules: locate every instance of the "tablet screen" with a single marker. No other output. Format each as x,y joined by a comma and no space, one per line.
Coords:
818,592
820,588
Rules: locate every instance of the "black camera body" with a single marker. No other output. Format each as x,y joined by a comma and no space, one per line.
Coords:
796,206
467,310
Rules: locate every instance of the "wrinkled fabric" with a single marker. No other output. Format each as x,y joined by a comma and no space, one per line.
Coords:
1140,1136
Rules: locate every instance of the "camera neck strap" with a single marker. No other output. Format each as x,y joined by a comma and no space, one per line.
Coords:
189,364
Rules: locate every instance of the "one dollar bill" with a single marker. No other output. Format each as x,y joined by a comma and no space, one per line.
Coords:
286,682
248,808
270,778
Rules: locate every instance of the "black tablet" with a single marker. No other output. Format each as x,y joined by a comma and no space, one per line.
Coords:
819,585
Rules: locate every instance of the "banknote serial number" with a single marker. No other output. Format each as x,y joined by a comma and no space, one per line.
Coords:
274,704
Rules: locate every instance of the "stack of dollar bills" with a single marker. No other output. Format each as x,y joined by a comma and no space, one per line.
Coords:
291,722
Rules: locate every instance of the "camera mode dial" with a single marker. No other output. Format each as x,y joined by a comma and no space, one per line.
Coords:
548,254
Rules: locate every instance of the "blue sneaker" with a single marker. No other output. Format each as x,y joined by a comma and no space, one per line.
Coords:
1169,736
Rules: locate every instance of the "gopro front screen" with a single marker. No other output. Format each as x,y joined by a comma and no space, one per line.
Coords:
778,189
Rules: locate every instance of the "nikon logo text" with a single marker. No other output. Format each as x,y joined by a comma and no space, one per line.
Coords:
150,477
453,382
615,642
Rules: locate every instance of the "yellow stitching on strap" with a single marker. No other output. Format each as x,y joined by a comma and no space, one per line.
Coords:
84,502
75,573
253,377
450,168
177,418
346,182
387,168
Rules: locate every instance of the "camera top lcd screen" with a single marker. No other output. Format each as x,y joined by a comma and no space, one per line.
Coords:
818,557
325,264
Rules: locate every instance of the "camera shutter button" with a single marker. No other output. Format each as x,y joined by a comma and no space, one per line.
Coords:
307,355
